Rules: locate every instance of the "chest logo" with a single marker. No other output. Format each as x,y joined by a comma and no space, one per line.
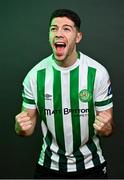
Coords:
48,96
85,95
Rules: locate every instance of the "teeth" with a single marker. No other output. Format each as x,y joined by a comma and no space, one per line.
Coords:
61,43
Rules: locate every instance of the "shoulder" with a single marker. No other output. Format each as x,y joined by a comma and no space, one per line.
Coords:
31,76
43,64
92,63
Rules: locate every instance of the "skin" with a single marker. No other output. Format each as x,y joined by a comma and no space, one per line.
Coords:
103,123
25,122
63,30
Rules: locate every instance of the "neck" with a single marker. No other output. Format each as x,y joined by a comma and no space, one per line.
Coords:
68,61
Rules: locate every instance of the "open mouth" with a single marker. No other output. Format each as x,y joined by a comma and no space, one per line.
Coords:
60,46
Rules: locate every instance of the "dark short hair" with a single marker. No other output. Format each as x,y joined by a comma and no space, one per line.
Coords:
66,13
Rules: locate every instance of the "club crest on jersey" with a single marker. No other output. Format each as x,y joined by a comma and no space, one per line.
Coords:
85,95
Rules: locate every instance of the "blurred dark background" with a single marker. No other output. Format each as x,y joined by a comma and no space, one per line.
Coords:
24,42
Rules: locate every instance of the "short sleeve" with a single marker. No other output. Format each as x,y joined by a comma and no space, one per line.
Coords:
27,93
103,91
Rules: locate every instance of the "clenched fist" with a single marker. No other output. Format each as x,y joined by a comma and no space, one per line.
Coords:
24,124
103,123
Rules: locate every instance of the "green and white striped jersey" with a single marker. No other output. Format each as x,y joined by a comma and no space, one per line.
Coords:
67,99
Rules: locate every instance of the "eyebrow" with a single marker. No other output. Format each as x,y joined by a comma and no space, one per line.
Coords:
63,25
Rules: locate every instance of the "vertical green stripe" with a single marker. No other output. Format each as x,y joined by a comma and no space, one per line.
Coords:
74,98
57,96
79,160
41,92
47,158
62,161
48,153
90,87
59,131
92,147
41,77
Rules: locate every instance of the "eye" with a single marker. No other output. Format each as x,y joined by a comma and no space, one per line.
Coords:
53,29
67,29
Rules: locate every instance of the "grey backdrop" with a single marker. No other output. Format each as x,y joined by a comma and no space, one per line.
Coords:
24,41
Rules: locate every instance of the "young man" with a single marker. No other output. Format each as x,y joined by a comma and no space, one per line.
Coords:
72,95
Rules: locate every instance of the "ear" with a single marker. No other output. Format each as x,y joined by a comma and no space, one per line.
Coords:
79,37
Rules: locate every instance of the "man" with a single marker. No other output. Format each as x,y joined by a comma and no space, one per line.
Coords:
72,95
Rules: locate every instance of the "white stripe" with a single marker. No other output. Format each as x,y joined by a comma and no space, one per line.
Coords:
42,154
71,164
83,71
49,100
44,146
67,121
55,157
44,129
87,157
83,105
30,106
103,108
65,81
99,151
103,97
50,117
54,161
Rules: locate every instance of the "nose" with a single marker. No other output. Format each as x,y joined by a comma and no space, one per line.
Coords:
59,33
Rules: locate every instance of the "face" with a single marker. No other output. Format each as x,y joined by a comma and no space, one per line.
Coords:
63,37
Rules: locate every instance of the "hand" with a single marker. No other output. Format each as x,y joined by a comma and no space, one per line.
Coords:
103,124
23,122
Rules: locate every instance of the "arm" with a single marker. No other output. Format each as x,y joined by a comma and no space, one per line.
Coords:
25,122
104,124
